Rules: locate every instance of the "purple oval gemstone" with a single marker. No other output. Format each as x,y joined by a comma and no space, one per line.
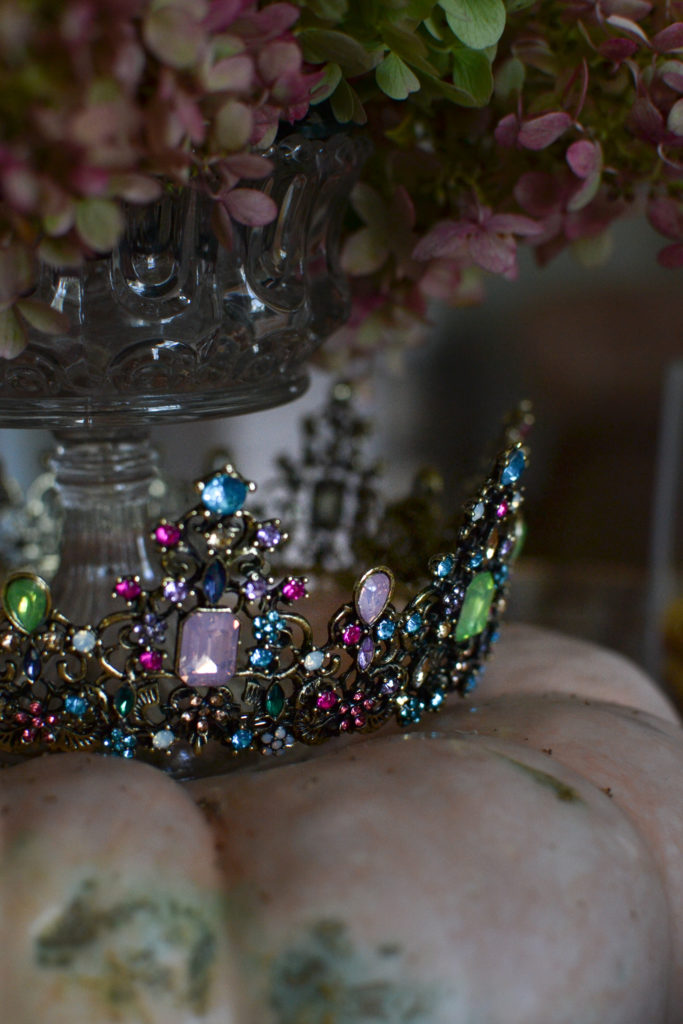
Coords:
373,595
366,653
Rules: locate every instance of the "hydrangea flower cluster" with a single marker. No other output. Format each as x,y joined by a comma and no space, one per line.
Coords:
495,122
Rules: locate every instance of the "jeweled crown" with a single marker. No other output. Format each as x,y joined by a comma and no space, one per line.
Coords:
217,654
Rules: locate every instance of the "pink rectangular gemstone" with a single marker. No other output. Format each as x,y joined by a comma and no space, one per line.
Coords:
207,647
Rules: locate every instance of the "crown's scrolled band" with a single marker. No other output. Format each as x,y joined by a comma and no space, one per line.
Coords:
218,653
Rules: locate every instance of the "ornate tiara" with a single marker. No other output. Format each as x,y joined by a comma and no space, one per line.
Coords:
217,656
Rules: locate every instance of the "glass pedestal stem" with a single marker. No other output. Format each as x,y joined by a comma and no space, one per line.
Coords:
103,481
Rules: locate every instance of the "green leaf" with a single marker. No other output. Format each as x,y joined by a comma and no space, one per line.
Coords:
518,5
476,23
233,126
332,75
472,73
99,223
364,253
60,253
370,207
328,10
407,44
509,78
346,106
419,9
43,317
595,251
323,45
13,338
173,35
395,78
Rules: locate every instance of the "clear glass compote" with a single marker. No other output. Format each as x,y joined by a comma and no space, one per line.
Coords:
172,326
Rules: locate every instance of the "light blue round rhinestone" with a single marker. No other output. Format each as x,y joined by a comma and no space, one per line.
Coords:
386,629
75,705
444,566
437,700
514,468
261,657
224,494
313,660
241,739
413,623
475,560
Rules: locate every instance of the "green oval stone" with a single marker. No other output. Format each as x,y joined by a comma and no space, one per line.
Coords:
275,700
25,601
124,700
475,609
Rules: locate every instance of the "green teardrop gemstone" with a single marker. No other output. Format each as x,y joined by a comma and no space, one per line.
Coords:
275,700
124,700
25,600
475,609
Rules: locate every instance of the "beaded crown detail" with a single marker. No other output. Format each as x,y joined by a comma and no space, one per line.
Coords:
218,655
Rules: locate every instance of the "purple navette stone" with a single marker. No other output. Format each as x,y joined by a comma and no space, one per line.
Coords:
372,596
208,645
365,653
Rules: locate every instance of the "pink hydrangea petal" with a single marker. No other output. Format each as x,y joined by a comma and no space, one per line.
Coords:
671,256
671,73
635,9
235,74
617,49
512,224
666,217
277,58
506,131
440,280
495,253
584,157
674,121
251,207
444,240
646,121
539,193
540,132
669,39
246,165
222,13
627,25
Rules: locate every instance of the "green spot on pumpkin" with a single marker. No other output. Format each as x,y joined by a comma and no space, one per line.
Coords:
324,978
26,602
475,609
562,790
149,946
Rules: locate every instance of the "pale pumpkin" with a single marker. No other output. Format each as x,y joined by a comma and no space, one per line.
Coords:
514,859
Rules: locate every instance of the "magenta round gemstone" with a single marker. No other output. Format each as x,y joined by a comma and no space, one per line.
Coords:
352,634
294,590
326,700
128,589
151,661
167,534
502,510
